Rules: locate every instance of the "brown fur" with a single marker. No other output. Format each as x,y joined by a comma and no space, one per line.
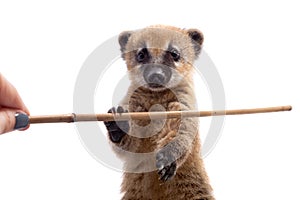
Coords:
140,180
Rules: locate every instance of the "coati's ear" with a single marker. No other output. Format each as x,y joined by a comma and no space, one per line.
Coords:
197,39
123,39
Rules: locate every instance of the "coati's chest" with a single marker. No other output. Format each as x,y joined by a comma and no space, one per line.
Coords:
145,100
153,133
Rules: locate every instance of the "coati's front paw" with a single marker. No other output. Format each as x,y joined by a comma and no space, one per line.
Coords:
166,164
117,129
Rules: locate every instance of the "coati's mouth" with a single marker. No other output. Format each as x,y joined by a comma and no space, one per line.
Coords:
155,86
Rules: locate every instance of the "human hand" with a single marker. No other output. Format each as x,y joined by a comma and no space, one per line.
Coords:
10,104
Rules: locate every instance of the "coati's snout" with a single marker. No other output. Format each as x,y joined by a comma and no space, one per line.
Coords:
156,75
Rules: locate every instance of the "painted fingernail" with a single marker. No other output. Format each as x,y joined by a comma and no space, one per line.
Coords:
22,121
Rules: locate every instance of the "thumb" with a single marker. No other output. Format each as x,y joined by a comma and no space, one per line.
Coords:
8,120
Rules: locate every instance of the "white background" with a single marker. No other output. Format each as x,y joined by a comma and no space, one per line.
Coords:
254,44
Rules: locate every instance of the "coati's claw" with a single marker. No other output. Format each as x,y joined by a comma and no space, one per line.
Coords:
166,165
117,130
168,172
121,110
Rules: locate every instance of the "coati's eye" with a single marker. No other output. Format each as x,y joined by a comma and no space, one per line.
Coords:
175,55
142,55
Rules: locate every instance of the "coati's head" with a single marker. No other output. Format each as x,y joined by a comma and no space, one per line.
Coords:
158,57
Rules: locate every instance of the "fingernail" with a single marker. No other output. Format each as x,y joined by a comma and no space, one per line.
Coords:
22,121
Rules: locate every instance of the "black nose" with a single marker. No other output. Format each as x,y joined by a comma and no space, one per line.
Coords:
156,75
156,78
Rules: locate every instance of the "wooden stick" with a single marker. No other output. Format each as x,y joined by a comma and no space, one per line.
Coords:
69,118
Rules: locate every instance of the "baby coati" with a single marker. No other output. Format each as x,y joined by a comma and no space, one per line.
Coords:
161,157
